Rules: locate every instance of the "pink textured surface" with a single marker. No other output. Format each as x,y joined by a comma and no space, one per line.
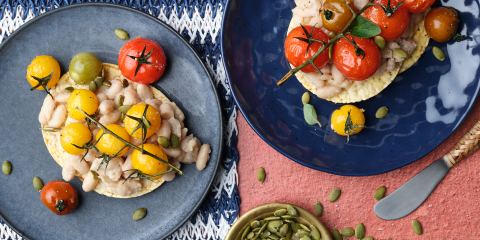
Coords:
451,212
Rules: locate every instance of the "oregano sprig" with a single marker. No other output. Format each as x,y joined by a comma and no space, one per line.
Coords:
350,127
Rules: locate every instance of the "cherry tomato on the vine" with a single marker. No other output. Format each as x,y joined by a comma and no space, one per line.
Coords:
60,197
295,50
339,118
151,66
418,6
392,27
336,14
441,23
356,67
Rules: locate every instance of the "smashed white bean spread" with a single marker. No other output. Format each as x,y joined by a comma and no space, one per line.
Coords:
111,181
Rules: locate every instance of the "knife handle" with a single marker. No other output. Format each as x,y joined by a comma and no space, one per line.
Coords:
466,145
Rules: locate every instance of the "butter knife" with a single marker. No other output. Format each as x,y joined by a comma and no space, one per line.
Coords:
413,193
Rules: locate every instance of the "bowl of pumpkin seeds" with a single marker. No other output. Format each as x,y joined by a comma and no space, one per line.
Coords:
278,221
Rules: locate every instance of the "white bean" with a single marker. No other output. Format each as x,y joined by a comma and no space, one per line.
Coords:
59,116
189,143
338,77
106,107
174,153
184,131
131,97
176,127
47,110
189,157
152,139
203,156
328,91
81,166
62,97
68,171
101,97
166,111
110,118
128,187
114,90
165,129
144,92
154,103
127,167
135,141
102,90
114,168
178,112
91,155
89,183
171,175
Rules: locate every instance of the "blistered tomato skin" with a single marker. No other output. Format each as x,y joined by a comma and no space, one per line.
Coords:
147,73
392,27
55,191
111,145
295,50
355,67
339,117
418,6
42,66
75,133
147,164
441,23
341,14
153,116
85,100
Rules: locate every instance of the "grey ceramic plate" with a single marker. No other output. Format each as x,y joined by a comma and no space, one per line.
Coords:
62,33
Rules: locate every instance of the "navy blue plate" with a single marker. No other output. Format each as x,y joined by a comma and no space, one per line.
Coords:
427,102
62,33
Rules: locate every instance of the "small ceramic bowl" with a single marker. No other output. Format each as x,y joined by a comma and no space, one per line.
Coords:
267,210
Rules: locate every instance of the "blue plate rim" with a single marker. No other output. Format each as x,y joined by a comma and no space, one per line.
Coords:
222,117
249,121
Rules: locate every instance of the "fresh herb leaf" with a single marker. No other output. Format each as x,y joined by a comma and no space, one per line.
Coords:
458,37
364,28
310,115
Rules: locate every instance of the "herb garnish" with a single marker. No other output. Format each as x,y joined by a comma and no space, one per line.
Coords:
42,82
349,127
310,115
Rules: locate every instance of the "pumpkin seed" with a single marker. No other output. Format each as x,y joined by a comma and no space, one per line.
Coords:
399,52
280,212
305,227
262,222
296,227
147,123
381,112
250,235
360,231
417,227
69,89
107,83
330,51
306,238
271,229
315,233
275,223
300,233
255,224
261,176
334,195
174,141
347,232
438,53
306,98
98,81
95,175
264,226
7,167
245,232
124,108
286,217
332,35
124,83
274,237
139,214
257,229
120,100
37,184
289,233
318,207
265,234
92,86
163,141
289,221
336,235
380,41
367,238
283,229
292,211
379,193
122,116
48,129
121,34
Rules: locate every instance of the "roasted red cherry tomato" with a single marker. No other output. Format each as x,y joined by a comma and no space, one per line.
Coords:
356,67
441,23
392,27
60,197
295,49
152,65
336,14
418,6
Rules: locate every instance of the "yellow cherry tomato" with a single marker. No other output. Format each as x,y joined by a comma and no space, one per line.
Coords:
147,164
109,144
75,133
83,99
42,66
153,116
339,118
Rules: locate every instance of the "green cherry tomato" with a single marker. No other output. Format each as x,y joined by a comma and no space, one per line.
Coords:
84,68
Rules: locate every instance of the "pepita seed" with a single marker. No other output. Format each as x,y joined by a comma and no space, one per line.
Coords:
121,34
399,52
360,231
417,227
265,234
289,221
272,218
381,112
250,235
306,238
334,195
379,193
6,167
257,229
274,237
254,224
262,222
107,83
347,232
318,207
336,235
292,211
315,233
300,233
48,129
261,176
290,232
306,98
438,53
124,108
275,223
367,238
174,141
264,226
287,217
98,81
92,86
139,214
330,51
285,238
245,232
283,229
165,143
120,100
280,212
95,175
122,116
305,227
271,229
37,184
124,83
69,89
147,123
380,41
332,35
296,227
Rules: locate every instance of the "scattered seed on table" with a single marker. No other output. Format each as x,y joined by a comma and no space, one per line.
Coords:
261,175
318,209
379,193
334,195
360,231
417,227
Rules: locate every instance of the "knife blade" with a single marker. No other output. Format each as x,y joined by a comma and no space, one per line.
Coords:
415,191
